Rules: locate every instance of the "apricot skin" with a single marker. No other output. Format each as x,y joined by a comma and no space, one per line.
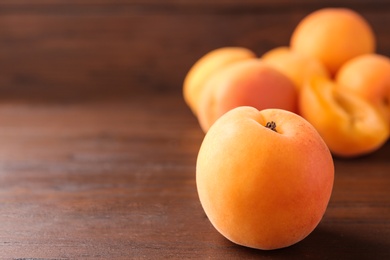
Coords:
369,77
333,35
207,66
260,188
245,83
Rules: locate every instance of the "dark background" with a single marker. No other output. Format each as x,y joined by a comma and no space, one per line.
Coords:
78,49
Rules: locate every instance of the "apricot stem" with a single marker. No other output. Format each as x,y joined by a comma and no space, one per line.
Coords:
271,125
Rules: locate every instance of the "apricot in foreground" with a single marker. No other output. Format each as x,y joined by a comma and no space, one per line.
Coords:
264,178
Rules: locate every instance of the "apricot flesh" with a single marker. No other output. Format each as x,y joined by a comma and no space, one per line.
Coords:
261,187
333,36
349,124
245,83
207,66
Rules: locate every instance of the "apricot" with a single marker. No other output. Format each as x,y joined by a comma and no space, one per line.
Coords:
333,36
368,76
208,65
349,124
245,83
298,67
264,178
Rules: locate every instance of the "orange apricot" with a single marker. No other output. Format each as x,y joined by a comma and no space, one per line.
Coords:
349,124
208,65
333,36
264,178
369,77
245,83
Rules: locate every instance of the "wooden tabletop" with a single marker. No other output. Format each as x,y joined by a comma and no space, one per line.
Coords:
98,149
115,180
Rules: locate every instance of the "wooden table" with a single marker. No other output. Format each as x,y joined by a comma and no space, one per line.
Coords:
98,149
115,180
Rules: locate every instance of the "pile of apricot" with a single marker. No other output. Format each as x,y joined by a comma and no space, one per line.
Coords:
329,74
265,171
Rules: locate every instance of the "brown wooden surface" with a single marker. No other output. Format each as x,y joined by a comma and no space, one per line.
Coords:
98,149
117,180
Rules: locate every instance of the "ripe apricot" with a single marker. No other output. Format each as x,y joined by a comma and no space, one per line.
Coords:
264,178
369,77
333,35
245,83
349,124
208,65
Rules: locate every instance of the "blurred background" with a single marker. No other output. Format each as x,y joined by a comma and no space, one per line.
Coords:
91,49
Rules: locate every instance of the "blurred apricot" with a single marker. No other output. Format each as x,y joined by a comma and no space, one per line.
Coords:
333,35
349,124
245,83
368,76
208,65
